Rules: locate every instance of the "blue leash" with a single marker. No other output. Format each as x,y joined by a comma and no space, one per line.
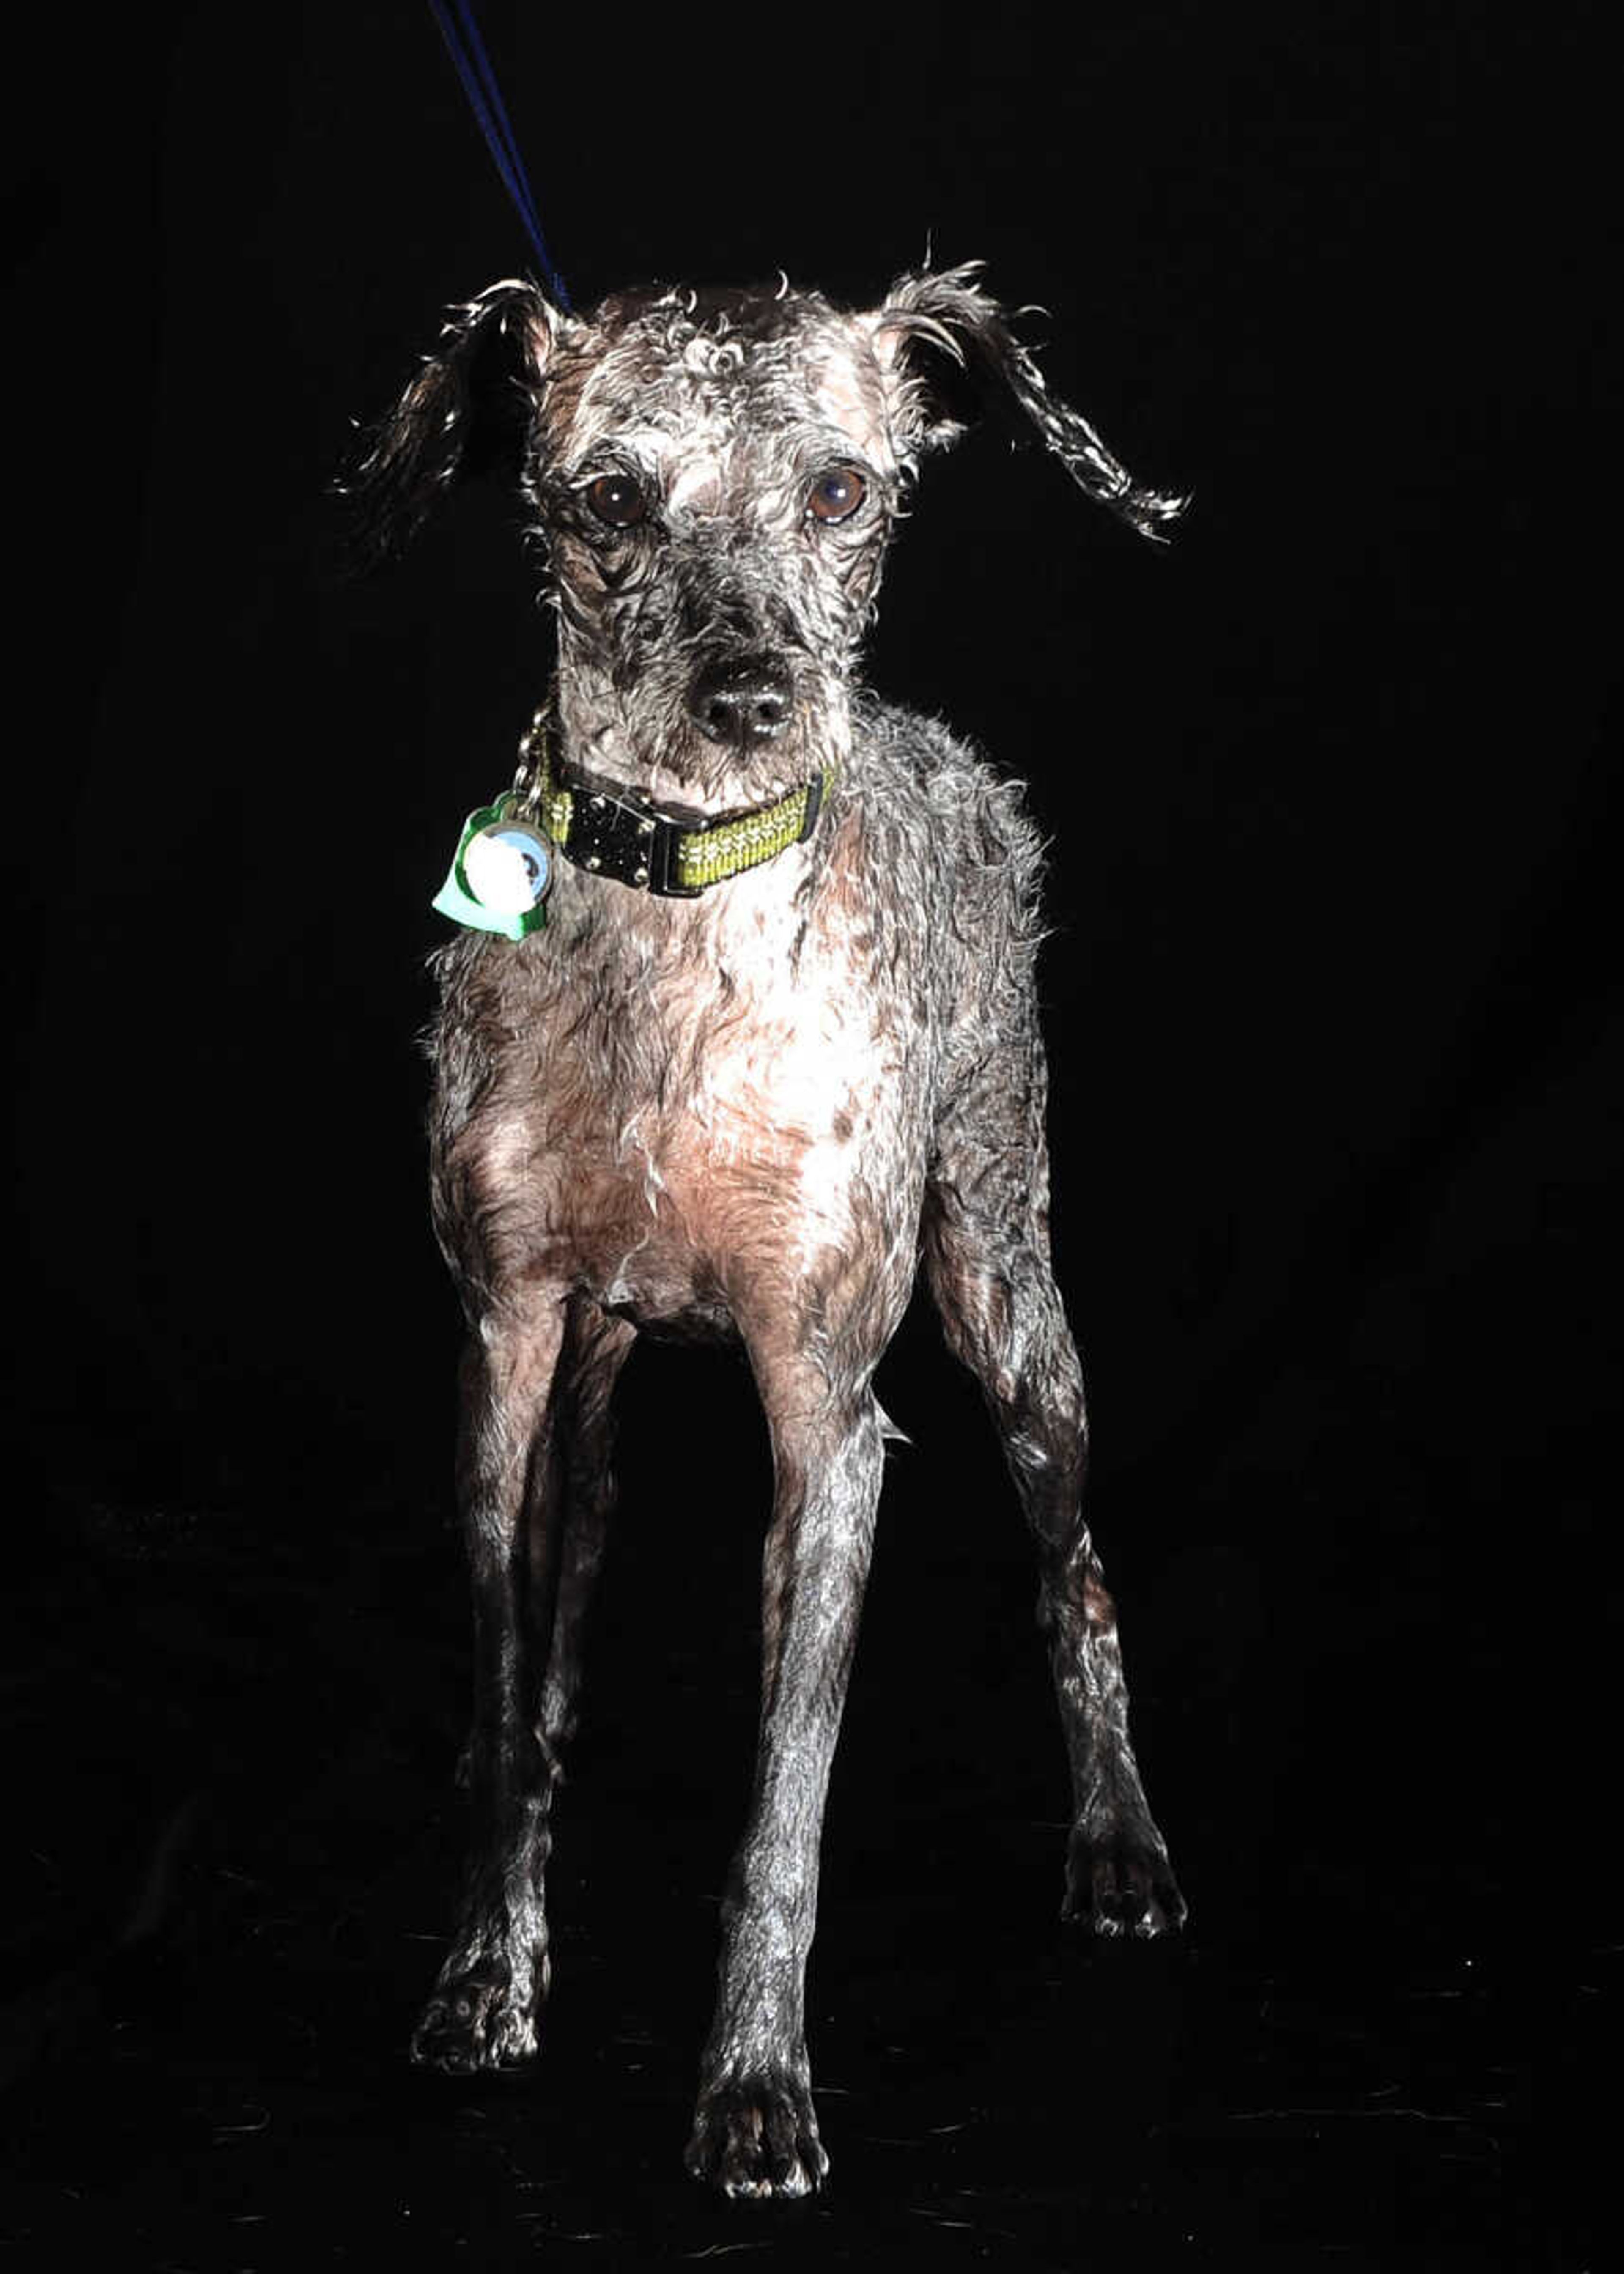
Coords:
461,34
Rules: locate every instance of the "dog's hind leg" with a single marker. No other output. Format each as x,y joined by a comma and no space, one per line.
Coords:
986,1249
755,2132
482,2014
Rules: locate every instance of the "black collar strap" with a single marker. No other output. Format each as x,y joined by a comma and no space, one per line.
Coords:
673,854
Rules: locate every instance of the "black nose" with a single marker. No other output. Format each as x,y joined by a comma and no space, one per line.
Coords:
741,699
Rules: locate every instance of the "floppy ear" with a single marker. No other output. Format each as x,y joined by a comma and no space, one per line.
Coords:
466,411
945,347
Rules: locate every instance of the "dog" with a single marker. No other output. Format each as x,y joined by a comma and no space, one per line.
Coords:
775,1042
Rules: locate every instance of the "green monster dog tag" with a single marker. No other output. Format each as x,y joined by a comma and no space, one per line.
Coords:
499,878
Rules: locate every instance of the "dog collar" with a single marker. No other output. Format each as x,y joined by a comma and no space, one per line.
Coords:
673,854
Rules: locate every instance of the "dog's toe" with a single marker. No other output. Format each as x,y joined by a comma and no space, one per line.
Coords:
475,2022
756,2137
1121,1883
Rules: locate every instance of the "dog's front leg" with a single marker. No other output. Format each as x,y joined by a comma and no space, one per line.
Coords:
986,1246
755,2132
482,2014
581,1443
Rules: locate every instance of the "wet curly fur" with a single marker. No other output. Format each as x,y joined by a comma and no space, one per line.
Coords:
750,1114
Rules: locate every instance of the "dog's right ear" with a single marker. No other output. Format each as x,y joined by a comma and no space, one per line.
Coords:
469,411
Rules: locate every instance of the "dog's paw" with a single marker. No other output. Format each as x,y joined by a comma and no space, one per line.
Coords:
475,2020
756,2135
1119,1880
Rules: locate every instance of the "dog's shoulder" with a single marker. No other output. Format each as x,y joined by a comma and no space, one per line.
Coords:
939,818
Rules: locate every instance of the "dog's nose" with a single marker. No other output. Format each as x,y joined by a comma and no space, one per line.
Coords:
743,699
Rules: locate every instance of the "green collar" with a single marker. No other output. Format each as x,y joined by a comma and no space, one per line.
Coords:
672,854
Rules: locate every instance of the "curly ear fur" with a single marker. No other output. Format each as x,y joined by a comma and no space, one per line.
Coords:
943,342
466,411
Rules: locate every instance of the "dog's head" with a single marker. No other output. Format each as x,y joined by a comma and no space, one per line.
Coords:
715,476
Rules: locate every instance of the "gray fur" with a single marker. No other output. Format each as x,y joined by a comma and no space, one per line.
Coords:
750,1114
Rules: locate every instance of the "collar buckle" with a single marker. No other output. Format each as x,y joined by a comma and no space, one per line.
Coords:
665,851
612,837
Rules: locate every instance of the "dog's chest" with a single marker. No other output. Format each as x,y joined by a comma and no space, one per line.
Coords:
772,1061
685,1101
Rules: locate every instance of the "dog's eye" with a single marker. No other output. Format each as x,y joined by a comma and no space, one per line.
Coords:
616,499
836,495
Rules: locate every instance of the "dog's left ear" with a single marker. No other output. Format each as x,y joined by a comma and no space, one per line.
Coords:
947,350
469,411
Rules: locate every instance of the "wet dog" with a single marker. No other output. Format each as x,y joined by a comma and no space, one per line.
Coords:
776,1042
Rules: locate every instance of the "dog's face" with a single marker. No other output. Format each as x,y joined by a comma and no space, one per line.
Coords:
714,477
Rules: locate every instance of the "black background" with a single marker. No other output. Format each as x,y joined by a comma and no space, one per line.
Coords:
1332,1013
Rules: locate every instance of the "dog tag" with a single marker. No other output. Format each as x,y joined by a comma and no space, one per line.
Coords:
507,866
500,877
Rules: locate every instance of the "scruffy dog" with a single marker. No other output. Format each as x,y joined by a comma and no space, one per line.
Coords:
775,1041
